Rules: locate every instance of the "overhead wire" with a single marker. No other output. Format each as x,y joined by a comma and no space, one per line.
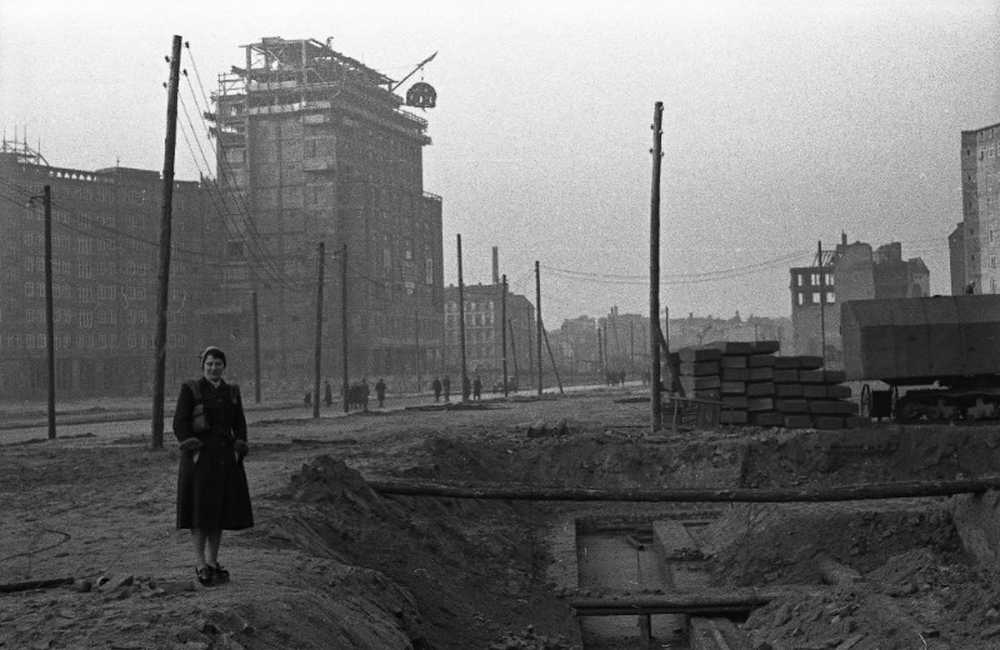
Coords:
252,245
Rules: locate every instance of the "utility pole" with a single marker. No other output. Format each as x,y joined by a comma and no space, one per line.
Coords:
256,351
538,323
631,346
607,358
600,353
416,343
513,353
50,329
461,319
318,367
656,408
503,331
552,359
822,300
163,277
343,325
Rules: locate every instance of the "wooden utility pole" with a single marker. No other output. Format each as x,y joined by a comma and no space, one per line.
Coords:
256,351
513,353
50,329
656,408
552,360
600,354
343,326
503,331
822,300
461,319
416,343
538,323
607,358
163,276
318,367
631,345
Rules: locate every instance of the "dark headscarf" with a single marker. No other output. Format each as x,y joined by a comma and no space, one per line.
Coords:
214,352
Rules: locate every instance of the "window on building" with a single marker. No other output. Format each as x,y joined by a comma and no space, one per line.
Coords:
830,299
801,298
829,279
993,261
814,279
815,297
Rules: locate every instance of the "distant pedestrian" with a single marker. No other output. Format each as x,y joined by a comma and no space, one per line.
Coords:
308,399
328,394
477,388
380,391
366,391
436,387
466,388
446,388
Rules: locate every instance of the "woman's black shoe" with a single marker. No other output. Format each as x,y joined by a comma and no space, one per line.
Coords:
221,576
206,575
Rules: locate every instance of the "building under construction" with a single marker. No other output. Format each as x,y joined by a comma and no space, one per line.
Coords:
313,146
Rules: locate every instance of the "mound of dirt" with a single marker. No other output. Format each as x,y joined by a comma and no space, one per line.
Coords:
475,568
767,544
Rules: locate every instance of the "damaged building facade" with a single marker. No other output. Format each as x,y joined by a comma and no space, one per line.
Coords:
313,146
848,272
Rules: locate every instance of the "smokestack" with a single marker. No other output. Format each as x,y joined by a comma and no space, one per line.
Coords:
496,266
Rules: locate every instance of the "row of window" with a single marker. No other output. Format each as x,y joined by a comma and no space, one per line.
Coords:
83,341
807,298
83,294
814,279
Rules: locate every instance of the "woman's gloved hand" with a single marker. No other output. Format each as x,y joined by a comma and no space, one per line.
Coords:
241,449
190,444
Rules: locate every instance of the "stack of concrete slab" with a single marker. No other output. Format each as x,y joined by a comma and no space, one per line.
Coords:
810,396
752,385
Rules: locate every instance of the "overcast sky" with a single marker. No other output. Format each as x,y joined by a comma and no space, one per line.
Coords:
785,123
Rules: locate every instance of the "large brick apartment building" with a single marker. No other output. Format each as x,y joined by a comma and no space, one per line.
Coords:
105,239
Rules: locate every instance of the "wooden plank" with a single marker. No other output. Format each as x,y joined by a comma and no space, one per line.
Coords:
760,361
734,388
734,402
760,404
768,419
733,361
798,421
761,374
907,489
765,347
760,389
699,354
788,390
786,375
699,368
735,374
832,407
791,405
733,417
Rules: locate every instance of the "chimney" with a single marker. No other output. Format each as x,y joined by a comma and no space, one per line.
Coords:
496,266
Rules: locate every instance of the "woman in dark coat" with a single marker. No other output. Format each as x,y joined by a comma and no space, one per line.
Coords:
212,493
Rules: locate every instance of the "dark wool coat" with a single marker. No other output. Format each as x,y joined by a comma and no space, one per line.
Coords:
212,491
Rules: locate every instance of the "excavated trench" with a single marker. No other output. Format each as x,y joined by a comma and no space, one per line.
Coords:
522,574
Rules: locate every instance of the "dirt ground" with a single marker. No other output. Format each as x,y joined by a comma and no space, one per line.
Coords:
333,564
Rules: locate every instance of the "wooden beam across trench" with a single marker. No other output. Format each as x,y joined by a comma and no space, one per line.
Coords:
898,490
701,602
